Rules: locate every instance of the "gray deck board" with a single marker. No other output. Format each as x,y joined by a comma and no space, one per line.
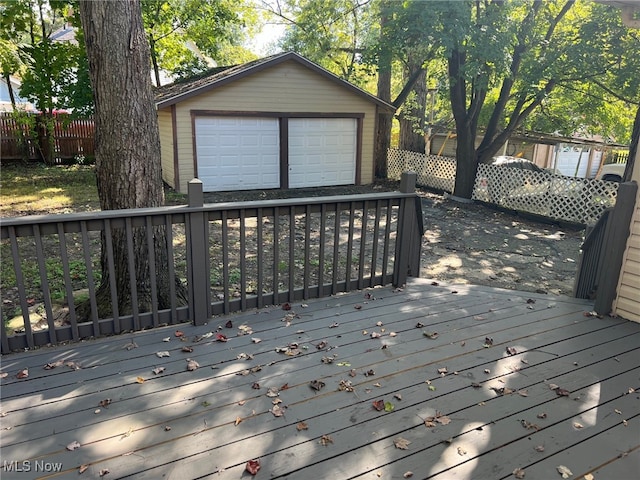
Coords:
596,360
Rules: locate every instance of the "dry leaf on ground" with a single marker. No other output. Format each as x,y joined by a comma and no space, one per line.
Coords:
518,473
24,373
163,354
325,440
253,466
564,471
302,426
192,365
73,446
402,443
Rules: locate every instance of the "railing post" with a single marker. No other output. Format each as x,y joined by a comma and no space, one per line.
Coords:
198,256
615,242
410,231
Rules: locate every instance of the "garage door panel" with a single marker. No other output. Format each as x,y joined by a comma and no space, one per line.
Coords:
238,153
322,151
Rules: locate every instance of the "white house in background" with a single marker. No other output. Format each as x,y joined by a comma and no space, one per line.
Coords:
5,99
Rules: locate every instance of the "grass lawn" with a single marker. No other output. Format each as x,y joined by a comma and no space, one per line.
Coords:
37,189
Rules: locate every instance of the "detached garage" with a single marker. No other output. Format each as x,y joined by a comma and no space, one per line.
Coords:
278,122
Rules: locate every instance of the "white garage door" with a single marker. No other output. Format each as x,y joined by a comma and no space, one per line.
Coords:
322,151
238,153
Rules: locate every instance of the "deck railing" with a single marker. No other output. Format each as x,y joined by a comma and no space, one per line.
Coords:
227,257
603,250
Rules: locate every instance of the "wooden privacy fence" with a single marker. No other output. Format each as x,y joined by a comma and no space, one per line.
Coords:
72,138
558,197
228,256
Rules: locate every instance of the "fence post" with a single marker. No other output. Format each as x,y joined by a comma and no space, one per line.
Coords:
410,231
197,255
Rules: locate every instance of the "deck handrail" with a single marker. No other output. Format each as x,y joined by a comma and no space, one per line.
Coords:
229,256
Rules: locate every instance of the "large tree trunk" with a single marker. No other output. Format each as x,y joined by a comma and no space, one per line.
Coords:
383,128
412,116
128,167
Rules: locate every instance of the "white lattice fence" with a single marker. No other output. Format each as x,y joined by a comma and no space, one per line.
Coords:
543,193
433,171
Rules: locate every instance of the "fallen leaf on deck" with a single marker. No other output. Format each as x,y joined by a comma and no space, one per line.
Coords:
345,386
163,354
255,386
512,351
83,468
73,446
242,402
334,325
442,371
562,392
530,300
588,476
179,333
192,365
368,296
402,443
221,337
375,335
487,371
73,365
529,425
617,411
166,339
461,451
238,420
284,387
553,386
343,364
397,396
244,330
316,384
377,384
357,307
523,393
388,407
322,345
419,325
286,306
105,403
443,420
187,349
256,340
431,335
518,473
408,474
577,425
476,385
253,465
488,342
327,359
24,373
272,392
429,423
539,448
542,415
52,365
302,426
325,440
378,405
167,428
229,324
369,373
104,471
139,379
564,471
432,388
625,423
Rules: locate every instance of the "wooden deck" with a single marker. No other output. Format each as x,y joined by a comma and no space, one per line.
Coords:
489,409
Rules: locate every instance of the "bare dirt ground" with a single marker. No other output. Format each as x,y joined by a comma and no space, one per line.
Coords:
474,243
